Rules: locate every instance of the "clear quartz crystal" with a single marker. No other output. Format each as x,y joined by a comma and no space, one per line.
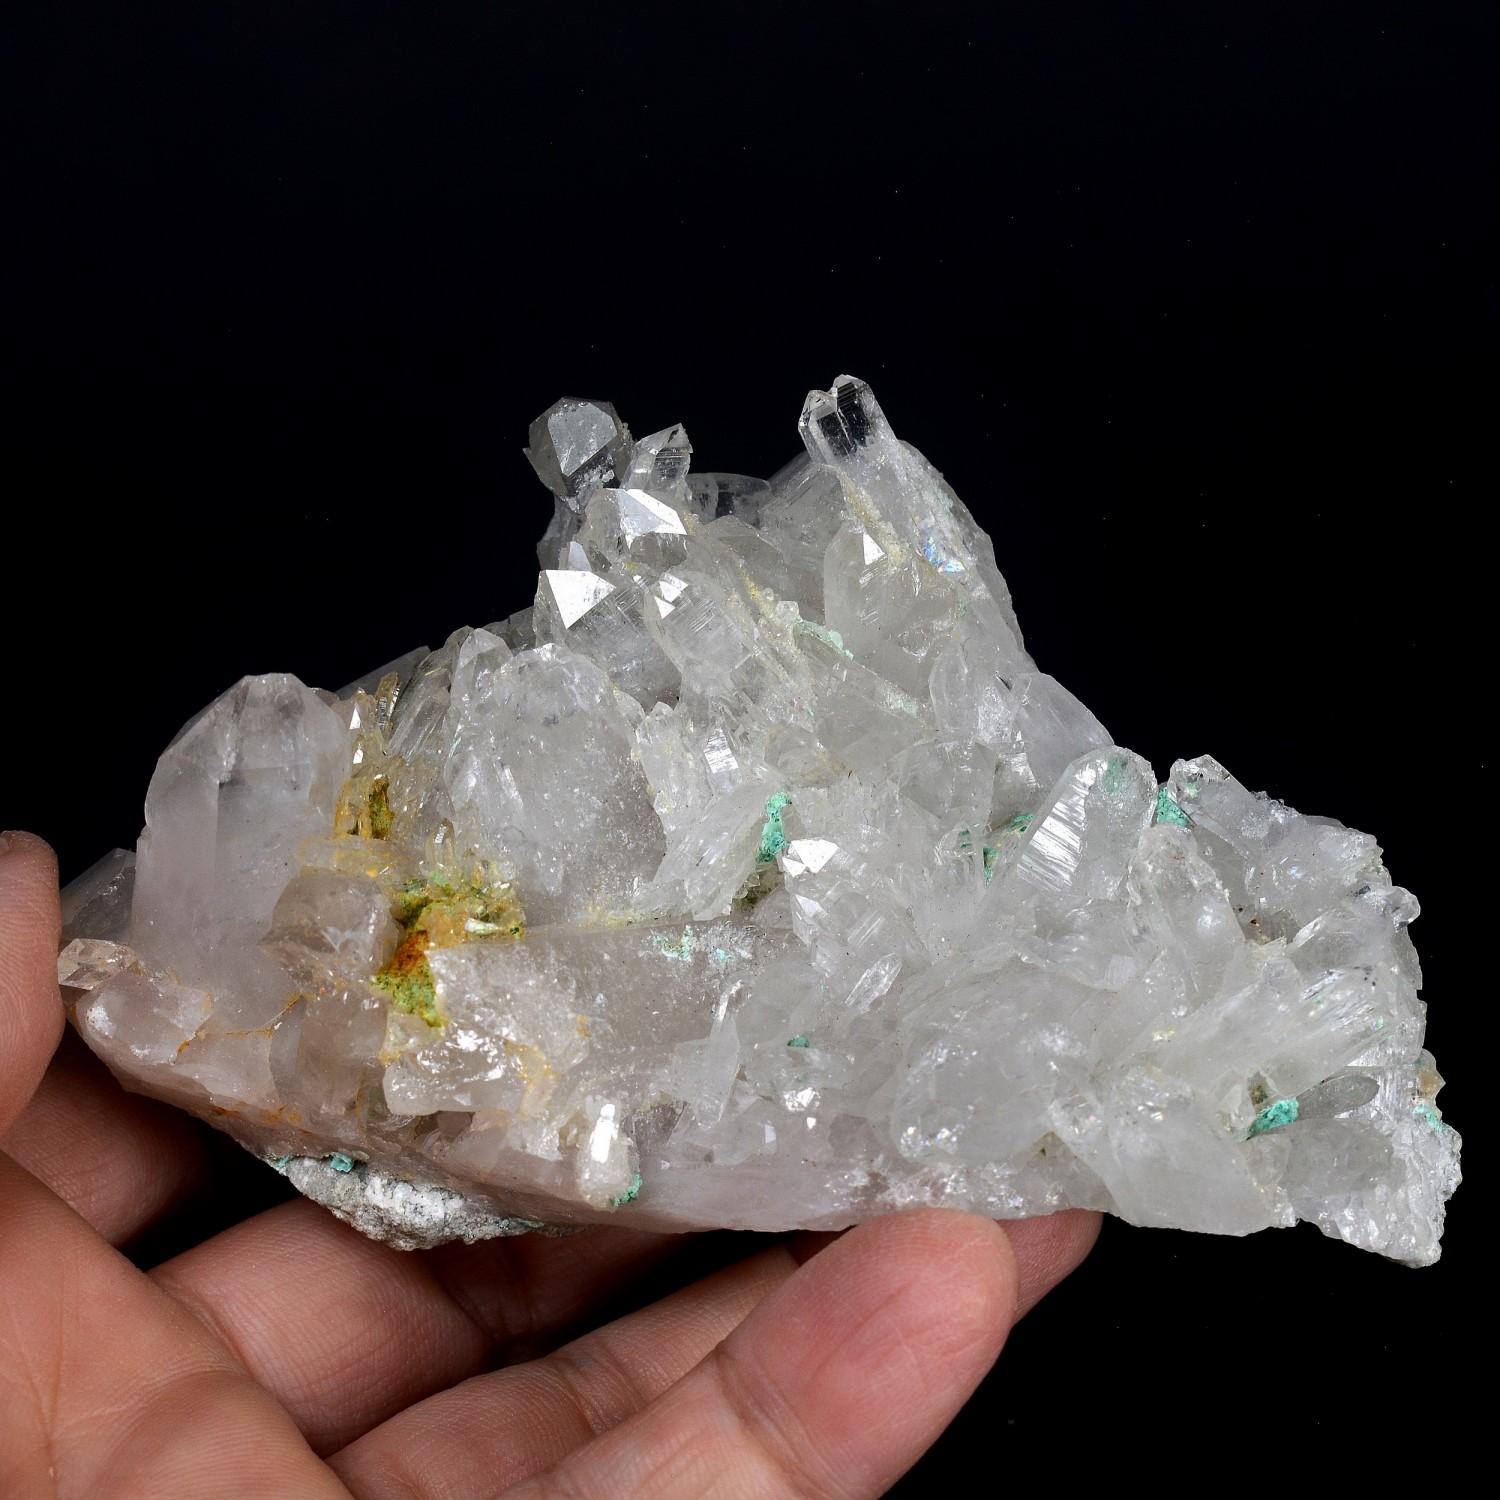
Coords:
756,877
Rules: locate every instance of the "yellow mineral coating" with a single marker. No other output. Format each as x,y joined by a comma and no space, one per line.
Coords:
440,911
364,806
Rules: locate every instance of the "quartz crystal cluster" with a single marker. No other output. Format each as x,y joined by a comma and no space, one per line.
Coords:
755,876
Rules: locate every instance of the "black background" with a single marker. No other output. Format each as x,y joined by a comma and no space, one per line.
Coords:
1194,305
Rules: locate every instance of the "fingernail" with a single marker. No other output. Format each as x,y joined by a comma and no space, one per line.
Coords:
5,841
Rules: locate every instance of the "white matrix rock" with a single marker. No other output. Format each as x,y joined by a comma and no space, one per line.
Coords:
756,877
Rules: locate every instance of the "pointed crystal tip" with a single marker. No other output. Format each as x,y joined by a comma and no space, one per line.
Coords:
837,423
576,446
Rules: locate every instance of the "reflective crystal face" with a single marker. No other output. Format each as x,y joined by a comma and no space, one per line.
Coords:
755,876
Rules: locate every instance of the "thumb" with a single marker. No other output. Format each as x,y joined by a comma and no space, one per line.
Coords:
31,1014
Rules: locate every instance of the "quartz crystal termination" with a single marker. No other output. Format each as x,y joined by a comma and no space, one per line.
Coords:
755,877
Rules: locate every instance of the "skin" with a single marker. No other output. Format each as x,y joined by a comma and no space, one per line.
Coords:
287,1355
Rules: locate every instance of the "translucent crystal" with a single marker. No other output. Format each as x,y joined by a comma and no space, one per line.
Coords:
755,876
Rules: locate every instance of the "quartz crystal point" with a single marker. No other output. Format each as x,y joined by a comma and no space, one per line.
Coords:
756,877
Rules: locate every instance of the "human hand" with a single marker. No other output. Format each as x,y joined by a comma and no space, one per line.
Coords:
289,1356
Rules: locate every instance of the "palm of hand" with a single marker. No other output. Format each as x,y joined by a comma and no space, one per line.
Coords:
289,1356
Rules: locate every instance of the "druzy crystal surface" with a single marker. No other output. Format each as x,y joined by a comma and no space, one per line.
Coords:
755,876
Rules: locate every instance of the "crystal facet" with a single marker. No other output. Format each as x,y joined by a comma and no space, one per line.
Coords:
756,877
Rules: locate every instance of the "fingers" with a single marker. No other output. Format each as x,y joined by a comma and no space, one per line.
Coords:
482,1436
117,1159
345,1332
340,1329
1049,1249
108,1387
31,1016
497,1429
833,1386
531,1293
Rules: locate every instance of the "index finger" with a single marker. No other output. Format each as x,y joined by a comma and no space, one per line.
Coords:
833,1386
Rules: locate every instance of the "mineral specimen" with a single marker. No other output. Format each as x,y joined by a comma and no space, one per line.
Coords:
756,877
